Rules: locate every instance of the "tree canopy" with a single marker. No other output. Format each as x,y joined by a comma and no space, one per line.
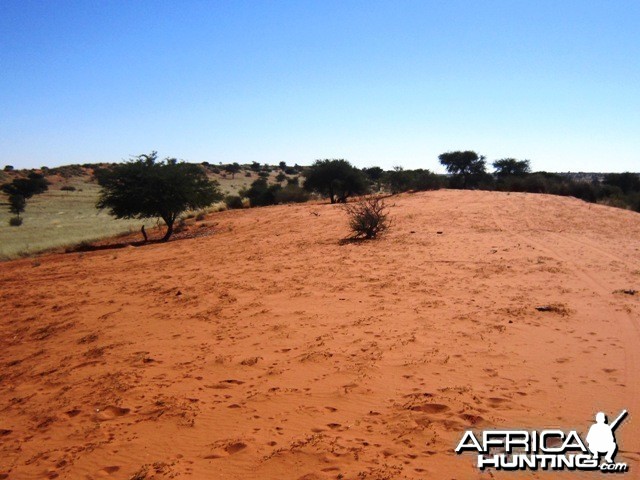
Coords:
511,167
232,168
34,184
627,182
335,179
21,189
146,188
468,168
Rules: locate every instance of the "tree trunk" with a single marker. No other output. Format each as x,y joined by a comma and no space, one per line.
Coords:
144,234
169,230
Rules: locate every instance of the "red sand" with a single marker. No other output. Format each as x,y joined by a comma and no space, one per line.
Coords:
269,350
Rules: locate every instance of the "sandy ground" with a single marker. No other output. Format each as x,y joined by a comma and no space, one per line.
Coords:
269,350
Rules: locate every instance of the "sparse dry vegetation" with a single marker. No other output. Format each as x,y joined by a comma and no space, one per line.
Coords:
368,217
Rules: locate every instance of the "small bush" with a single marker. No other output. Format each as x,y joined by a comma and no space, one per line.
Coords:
261,193
233,201
200,216
15,221
291,194
247,174
68,188
368,217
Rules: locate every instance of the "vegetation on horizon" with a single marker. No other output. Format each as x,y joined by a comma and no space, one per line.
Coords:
63,215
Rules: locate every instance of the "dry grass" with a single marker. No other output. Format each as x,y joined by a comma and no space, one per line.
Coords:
60,218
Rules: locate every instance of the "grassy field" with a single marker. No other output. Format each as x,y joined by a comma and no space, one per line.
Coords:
60,218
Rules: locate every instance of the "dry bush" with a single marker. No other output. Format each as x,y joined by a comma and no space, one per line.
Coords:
368,217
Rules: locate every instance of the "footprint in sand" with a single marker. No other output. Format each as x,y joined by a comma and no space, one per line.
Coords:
228,449
233,382
111,412
110,470
472,419
430,408
235,447
497,401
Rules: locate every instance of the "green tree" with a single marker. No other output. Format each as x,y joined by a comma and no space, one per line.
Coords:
398,180
507,167
374,174
627,182
146,188
335,179
21,189
232,168
33,184
17,204
261,193
468,168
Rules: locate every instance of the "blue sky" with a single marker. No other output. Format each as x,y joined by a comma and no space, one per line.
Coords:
378,83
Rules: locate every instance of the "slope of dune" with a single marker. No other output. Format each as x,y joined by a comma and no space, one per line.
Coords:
267,349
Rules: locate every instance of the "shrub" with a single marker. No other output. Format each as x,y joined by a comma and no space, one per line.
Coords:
368,217
261,193
15,221
68,188
291,194
233,201
281,177
201,216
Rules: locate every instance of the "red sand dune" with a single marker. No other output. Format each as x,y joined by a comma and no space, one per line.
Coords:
269,350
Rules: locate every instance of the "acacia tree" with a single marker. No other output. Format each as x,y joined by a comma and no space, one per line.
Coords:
232,168
17,204
21,189
146,188
511,167
336,179
467,167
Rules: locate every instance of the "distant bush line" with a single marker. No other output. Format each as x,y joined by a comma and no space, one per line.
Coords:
337,180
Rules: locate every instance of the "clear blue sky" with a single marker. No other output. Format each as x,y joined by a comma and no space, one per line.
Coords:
378,83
